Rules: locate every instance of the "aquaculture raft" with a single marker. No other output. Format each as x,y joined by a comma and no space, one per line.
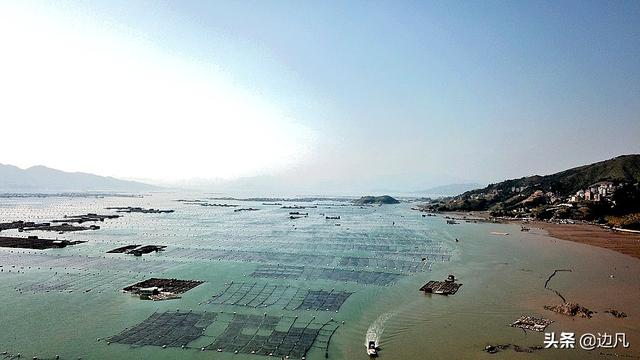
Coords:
129,209
279,336
46,226
532,323
171,329
312,273
161,289
285,297
440,287
137,250
33,242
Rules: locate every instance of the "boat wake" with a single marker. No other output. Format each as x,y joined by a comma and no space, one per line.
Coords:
374,333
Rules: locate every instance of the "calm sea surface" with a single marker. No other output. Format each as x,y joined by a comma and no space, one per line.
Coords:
308,286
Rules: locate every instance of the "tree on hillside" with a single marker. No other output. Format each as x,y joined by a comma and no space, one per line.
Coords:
627,199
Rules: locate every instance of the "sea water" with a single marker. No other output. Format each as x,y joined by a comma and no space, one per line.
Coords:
262,264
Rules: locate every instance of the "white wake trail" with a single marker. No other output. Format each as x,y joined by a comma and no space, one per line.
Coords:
374,333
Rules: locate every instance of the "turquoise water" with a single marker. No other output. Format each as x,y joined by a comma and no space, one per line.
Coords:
261,271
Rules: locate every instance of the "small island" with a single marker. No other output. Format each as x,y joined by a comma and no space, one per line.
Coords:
380,200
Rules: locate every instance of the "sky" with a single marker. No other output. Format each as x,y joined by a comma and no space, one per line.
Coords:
328,95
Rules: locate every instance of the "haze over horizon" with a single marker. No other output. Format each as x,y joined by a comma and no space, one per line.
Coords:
340,96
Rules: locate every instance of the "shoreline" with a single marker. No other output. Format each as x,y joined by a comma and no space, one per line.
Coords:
623,242
627,243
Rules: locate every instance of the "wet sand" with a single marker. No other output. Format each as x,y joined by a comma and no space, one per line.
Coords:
625,243
622,242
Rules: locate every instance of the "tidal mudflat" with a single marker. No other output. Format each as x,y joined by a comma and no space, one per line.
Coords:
315,285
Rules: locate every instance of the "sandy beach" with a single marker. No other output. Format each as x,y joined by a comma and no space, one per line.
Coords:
622,242
626,243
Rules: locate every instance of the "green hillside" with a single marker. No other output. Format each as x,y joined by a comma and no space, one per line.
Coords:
535,194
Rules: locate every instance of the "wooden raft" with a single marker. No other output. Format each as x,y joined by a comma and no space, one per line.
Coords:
440,287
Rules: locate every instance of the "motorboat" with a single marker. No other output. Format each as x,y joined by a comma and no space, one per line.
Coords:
372,348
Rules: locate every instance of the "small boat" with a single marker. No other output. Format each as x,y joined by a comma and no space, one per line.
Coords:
372,348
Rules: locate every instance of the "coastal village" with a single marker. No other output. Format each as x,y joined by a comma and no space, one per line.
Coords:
600,194
601,191
605,193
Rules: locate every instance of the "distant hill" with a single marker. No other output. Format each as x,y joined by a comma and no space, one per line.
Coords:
41,178
385,199
511,193
450,190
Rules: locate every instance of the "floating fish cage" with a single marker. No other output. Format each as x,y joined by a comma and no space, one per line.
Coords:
340,275
286,297
80,282
170,329
281,336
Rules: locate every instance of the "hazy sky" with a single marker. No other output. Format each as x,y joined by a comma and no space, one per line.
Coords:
393,94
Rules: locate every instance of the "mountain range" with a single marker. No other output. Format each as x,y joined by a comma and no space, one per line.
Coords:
44,179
